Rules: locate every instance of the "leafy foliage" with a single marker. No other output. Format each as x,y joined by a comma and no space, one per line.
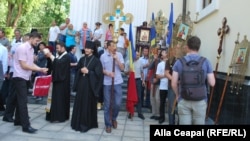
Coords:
28,14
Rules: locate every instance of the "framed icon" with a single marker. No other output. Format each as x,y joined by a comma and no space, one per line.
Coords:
182,31
241,55
144,35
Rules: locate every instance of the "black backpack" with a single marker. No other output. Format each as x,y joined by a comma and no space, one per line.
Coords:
192,80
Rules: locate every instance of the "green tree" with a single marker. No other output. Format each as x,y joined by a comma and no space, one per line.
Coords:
28,14
18,8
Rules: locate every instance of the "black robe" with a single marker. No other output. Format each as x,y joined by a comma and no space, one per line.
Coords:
87,87
60,104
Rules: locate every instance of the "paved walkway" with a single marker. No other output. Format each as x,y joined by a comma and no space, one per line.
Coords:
136,130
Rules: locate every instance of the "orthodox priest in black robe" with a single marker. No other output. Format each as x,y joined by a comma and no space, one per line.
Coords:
60,102
88,83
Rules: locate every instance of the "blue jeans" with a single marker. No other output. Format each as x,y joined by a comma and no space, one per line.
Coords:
62,38
147,99
53,44
115,102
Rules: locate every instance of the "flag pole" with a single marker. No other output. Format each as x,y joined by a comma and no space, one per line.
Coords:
222,97
112,93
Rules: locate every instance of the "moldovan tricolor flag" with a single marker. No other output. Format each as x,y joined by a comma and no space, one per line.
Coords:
131,93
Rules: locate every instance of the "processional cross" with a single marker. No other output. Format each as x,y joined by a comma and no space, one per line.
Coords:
117,18
221,32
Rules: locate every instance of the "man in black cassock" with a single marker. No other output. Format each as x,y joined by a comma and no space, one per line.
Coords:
60,103
88,83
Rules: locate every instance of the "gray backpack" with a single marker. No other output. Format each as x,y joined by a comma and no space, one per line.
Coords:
192,80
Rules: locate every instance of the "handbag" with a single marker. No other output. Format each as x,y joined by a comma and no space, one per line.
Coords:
42,85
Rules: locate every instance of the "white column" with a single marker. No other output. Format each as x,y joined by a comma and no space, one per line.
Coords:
89,11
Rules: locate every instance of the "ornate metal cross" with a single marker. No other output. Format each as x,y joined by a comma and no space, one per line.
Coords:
118,17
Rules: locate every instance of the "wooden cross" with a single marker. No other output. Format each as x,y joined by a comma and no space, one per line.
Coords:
221,32
118,17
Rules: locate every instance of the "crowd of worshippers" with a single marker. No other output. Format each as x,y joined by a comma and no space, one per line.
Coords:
95,80
28,56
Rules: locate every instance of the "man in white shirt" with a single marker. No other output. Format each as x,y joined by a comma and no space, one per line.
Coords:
121,42
163,87
53,35
63,27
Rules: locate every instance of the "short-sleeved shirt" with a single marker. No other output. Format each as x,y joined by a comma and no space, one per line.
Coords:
160,71
109,35
73,59
70,40
53,33
14,45
144,61
24,52
98,33
138,68
207,67
107,64
121,42
63,32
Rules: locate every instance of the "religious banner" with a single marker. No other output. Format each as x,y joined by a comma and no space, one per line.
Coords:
236,71
142,38
160,23
181,32
239,65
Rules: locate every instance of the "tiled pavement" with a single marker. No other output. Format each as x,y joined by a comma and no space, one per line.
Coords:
127,130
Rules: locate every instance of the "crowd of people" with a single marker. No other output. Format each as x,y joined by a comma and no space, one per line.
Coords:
95,79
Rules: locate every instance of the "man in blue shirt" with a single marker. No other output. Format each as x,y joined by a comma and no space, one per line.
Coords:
112,99
191,112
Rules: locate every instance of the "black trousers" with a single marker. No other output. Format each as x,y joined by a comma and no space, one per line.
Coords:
138,91
163,96
2,108
21,90
11,100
